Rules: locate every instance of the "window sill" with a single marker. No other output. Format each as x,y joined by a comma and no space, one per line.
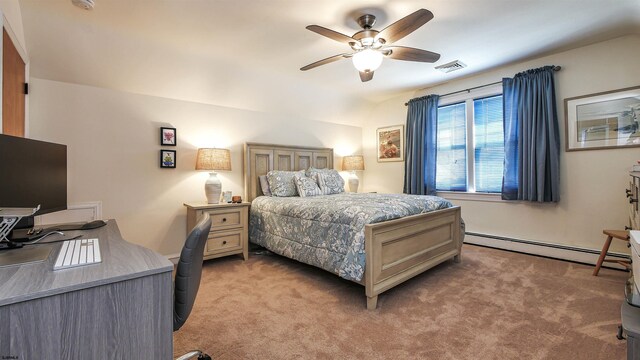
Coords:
469,196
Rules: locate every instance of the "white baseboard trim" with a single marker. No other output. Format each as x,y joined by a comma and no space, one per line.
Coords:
556,251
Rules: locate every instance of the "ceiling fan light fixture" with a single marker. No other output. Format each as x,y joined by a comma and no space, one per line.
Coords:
367,60
368,41
370,46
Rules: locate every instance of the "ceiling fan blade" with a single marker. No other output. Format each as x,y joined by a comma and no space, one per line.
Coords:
366,75
405,26
334,35
412,54
328,60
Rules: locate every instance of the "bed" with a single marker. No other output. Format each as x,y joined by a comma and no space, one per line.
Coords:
378,246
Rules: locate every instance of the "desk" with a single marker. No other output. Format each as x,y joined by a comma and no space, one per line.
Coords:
119,309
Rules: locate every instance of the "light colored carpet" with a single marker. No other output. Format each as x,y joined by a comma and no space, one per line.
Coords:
494,305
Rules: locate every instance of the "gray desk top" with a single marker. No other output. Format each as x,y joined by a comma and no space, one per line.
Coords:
121,260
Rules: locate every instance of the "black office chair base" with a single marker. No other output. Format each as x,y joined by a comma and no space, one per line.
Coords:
192,355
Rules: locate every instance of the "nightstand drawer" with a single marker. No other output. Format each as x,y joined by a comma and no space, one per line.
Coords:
221,219
224,241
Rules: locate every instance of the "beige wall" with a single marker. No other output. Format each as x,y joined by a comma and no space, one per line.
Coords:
385,177
592,182
113,151
11,11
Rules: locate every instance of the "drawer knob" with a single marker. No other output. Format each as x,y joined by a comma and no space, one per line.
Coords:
224,242
628,228
632,200
224,219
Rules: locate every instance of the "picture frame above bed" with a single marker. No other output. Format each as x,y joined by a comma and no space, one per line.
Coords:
390,143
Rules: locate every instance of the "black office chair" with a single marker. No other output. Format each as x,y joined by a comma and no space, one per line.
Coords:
187,279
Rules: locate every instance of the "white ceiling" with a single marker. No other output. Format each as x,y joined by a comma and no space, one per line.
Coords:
247,53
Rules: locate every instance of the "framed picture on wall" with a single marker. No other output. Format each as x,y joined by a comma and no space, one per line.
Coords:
168,159
168,136
606,120
390,143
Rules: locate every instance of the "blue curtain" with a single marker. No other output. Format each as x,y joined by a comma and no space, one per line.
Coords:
420,153
531,137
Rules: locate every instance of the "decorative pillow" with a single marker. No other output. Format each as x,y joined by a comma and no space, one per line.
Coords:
264,185
311,172
330,182
306,186
281,183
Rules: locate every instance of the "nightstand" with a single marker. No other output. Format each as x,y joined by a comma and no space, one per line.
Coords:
229,233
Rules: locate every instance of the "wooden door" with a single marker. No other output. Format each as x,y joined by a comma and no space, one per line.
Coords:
13,80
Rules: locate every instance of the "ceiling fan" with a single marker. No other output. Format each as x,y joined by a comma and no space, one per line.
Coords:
370,46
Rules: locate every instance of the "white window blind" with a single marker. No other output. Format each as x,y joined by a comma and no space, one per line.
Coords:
451,165
488,143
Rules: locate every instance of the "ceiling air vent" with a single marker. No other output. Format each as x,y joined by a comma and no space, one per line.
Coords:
452,66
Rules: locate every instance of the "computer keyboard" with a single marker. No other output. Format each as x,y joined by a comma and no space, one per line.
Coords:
78,253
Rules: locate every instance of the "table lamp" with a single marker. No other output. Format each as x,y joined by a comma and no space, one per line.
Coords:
353,163
213,159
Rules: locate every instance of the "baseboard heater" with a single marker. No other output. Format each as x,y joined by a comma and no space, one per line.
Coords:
556,251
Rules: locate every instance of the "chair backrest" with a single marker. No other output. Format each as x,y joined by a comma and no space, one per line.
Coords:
189,272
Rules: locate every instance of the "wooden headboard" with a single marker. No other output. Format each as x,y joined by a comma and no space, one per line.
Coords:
259,159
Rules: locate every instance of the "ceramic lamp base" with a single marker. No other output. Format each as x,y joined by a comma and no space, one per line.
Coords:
213,188
353,182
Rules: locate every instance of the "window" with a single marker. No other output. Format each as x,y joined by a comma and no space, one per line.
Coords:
451,163
470,149
488,143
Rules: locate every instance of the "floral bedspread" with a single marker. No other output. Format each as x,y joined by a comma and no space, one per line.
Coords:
327,231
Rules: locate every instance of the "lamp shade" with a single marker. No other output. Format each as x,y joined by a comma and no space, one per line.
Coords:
354,162
213,159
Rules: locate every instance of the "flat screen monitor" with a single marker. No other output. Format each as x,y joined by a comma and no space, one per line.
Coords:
33,173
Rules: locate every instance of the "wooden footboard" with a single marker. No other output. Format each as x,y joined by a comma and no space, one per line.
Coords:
400,249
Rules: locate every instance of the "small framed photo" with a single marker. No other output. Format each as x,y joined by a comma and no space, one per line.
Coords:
390,142
606,120
168,159
168,136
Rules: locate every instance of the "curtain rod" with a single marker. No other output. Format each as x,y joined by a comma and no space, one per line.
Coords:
555,68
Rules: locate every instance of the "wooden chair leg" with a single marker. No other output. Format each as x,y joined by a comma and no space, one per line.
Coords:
603,254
